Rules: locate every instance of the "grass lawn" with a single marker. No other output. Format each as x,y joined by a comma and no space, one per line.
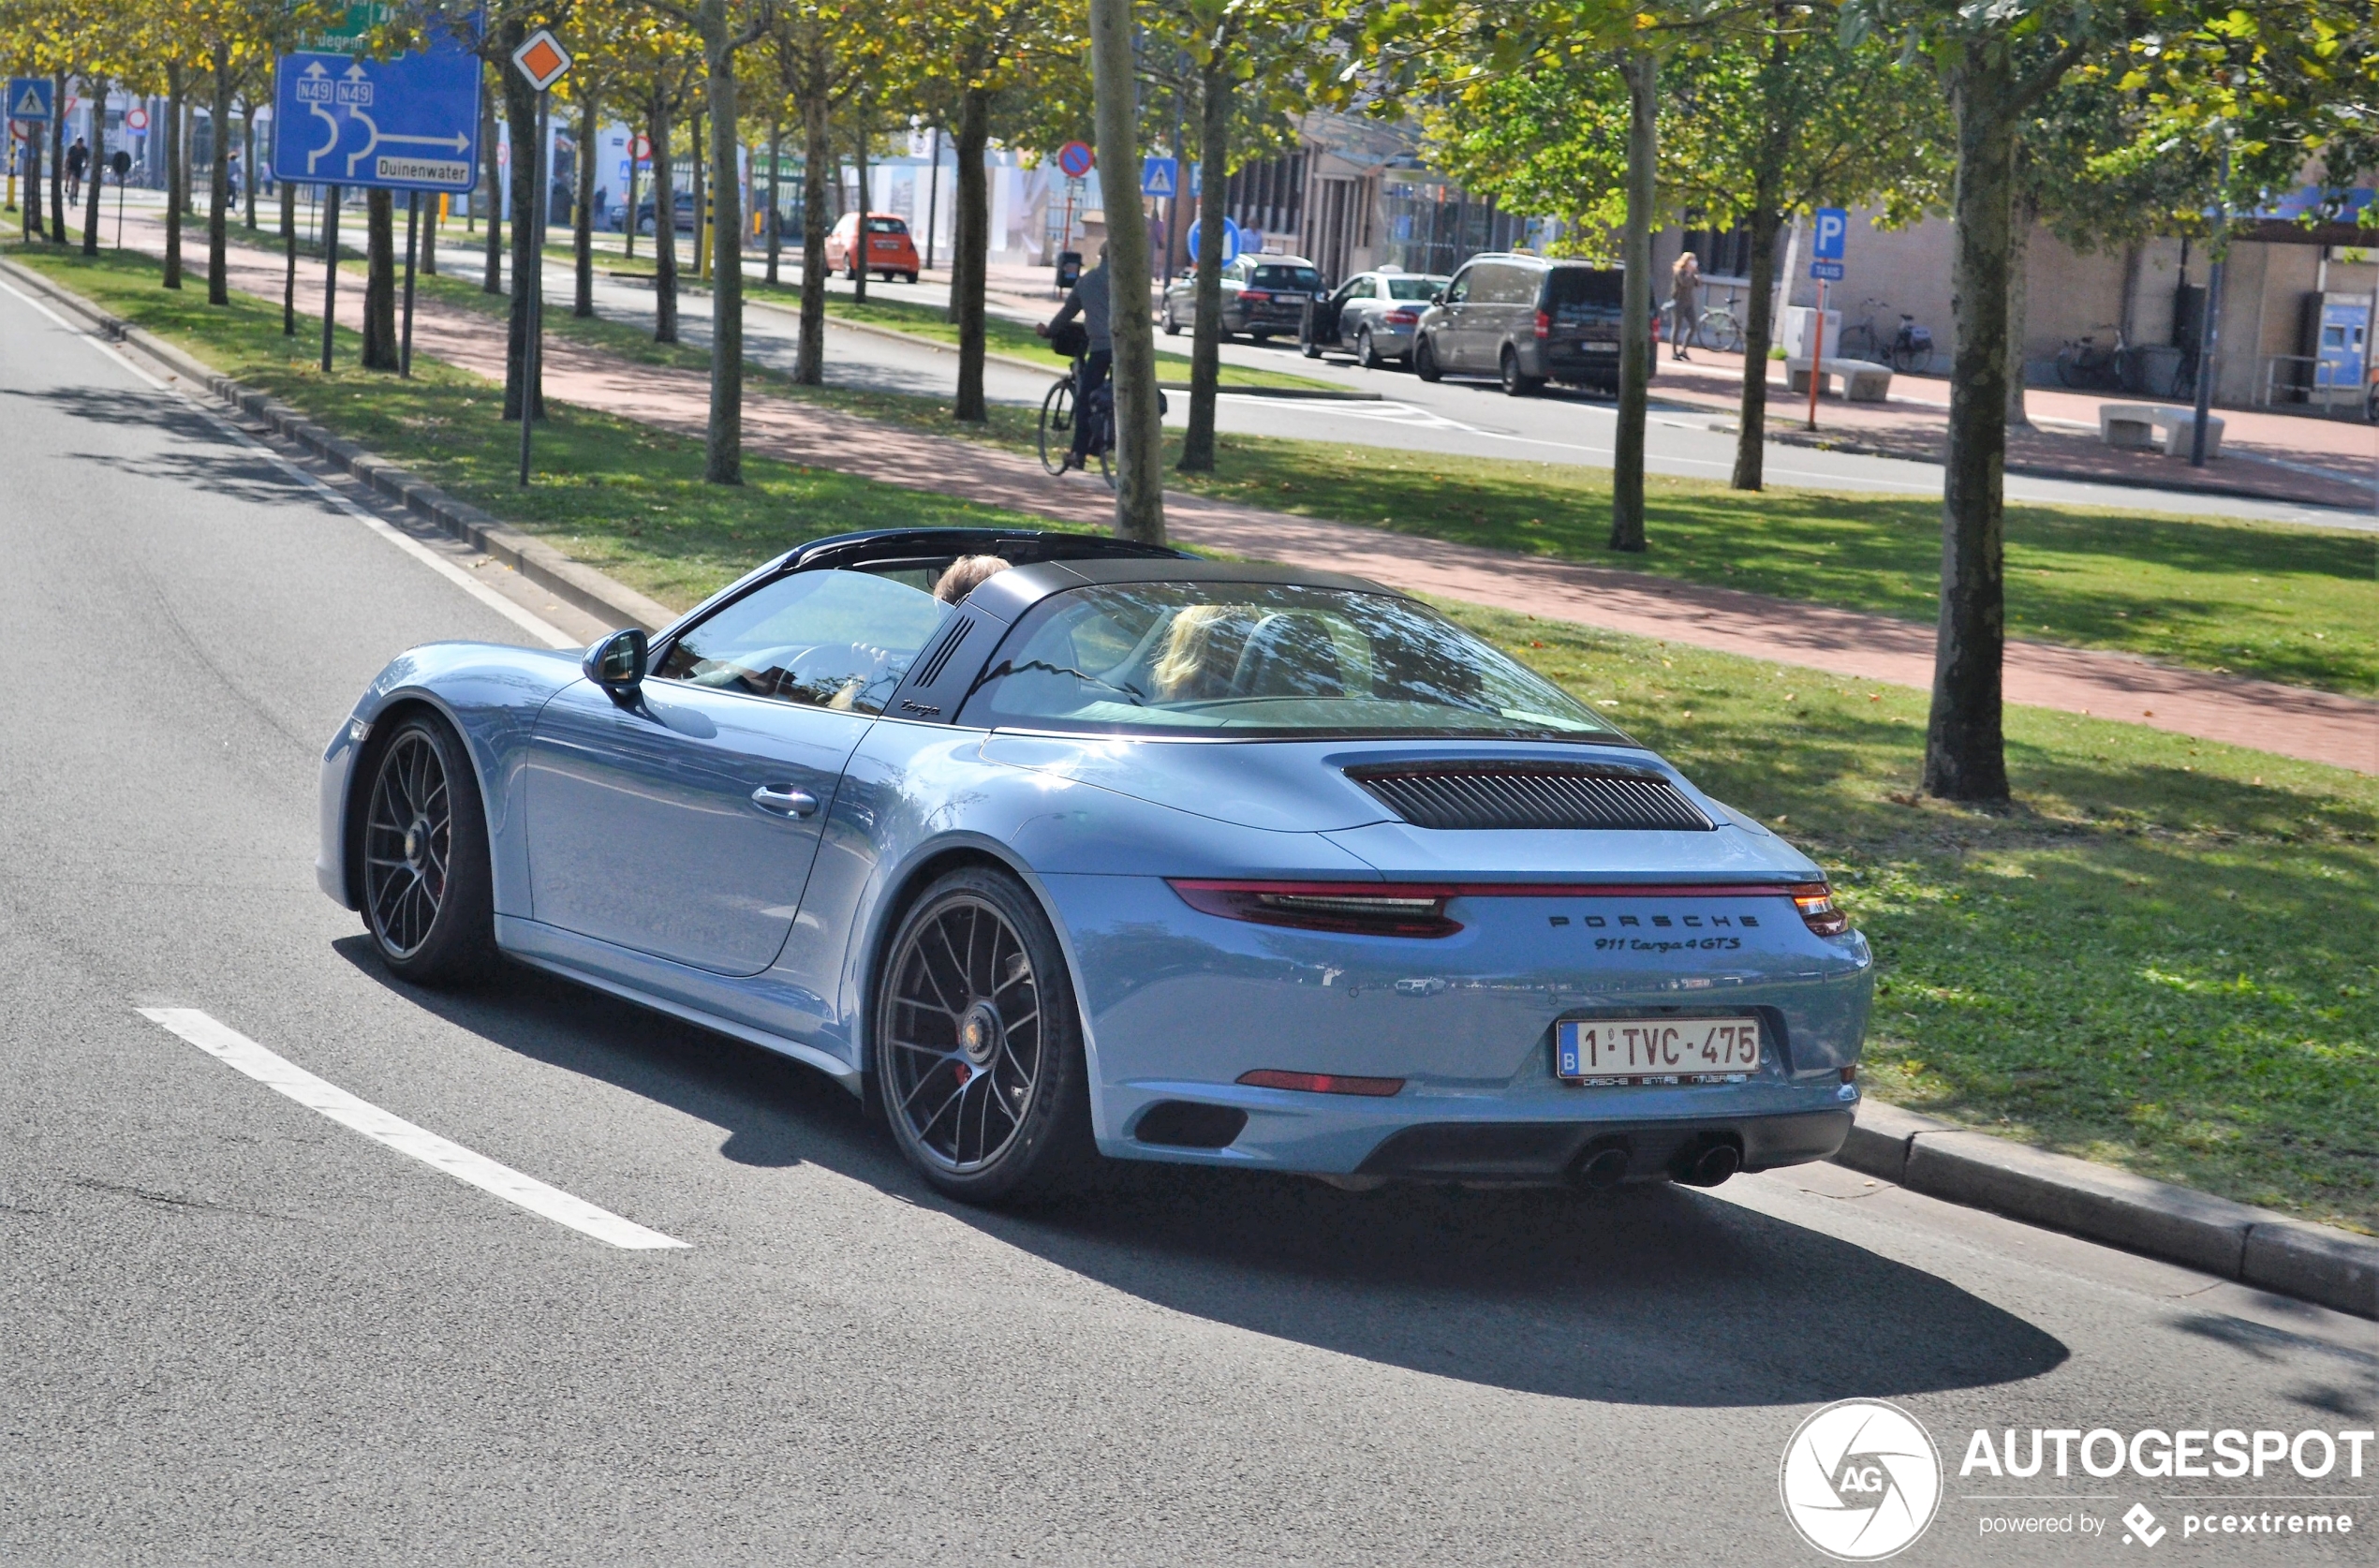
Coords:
2164,958
2285,603
619,496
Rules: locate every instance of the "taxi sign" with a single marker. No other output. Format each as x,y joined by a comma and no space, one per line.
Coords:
541,60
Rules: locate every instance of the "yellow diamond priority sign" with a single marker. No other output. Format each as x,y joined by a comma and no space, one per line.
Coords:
541,60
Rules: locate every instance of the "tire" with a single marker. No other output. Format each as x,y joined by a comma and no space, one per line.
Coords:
2069,371
1261,337
1310,351
429,897
1367,353
911,277
1720,332
1424,361
1056,432
975,1024
1173,328
1515,384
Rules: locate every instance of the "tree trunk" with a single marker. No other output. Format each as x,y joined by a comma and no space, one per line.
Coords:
1751,428
809,362
289,257
1643,74
1965,754
520,126
971,265
379,281
1205,326
430,217
189,154
2021,211
776,195
658,131
723,438
701,213
583,230
33,226
176,152
247,157
219,215
1140,480
859,236
491,182
97,175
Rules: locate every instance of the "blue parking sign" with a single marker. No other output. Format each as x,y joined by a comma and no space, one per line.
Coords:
1832,230
29,98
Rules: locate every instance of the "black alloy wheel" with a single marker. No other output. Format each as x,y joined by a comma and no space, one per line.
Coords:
977,1048
1425,360
428,895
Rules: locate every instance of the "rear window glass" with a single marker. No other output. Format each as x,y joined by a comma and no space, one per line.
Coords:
886,226
1287,277
1413,287
1591,288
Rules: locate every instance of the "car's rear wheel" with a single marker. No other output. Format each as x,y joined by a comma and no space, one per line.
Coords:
1515,384
978,1045
428,895
1424,361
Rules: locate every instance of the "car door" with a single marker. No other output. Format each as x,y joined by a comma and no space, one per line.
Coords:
682,821
1445,338
1331,322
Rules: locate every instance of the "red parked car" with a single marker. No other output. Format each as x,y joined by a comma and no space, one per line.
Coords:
890,250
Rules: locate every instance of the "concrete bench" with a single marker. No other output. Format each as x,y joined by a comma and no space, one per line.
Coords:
1863,380
2143,426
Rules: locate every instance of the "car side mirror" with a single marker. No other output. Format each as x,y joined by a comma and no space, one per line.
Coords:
1437,297
617,662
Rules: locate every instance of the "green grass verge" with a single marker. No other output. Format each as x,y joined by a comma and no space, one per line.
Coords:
620,495
2166,958
2268,600
2163,959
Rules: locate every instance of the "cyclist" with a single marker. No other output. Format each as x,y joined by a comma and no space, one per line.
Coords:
78,160
1685,284
1087,299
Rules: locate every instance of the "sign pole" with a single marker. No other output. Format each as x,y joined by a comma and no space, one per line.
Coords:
412,249
1817,355
329,271
533,285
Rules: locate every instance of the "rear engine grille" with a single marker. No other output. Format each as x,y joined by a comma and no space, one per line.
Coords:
1531,795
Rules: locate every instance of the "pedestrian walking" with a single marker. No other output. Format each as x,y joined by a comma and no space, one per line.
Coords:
77,160
1087,299
1685,287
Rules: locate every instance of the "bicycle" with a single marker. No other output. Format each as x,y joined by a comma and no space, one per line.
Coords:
1875,348
1911,351
1720,330
1057,415
2082,364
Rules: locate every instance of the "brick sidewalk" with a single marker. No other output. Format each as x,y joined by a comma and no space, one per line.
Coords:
2263,714
2327,463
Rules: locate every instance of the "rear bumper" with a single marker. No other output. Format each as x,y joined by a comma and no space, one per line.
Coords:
1553,1150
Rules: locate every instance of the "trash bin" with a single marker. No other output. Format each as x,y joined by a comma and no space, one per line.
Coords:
1069,269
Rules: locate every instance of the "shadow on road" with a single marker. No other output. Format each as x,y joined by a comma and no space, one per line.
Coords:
1661,1297
209,459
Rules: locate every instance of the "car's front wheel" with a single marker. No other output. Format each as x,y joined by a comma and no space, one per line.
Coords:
1424,361
1367,353
978,1045
1172,326
428,894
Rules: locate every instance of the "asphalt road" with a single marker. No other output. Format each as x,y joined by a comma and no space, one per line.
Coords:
239,1331
1472,419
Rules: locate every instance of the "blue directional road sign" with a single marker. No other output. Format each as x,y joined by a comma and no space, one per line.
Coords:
407,124
1233,239
1160,177
1832,230
1830,271
29,98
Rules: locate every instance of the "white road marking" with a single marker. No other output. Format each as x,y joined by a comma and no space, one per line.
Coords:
277,1073
535,625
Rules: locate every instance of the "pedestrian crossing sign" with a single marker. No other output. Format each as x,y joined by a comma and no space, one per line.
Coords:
1160,178
29,98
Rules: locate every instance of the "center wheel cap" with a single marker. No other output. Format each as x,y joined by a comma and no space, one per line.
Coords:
979,1033
414,837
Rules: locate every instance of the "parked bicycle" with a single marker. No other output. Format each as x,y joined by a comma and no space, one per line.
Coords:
2083,364
1720,330
1908,349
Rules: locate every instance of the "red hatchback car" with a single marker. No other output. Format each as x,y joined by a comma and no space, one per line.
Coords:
890,250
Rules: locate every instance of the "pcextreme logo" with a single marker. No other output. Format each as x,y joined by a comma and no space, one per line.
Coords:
1860,1480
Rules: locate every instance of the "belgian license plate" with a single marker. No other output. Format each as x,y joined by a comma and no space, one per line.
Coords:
1606,1051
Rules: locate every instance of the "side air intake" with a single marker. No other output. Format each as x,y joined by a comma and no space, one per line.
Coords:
1525,794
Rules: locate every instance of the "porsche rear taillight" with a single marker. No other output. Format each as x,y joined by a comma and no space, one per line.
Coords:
1819,912
1321,1083
1362,909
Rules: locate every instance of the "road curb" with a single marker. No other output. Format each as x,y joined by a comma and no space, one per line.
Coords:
2256,1247
574,583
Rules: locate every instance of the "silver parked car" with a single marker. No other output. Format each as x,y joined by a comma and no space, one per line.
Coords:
1263,296
1526,320
1374,316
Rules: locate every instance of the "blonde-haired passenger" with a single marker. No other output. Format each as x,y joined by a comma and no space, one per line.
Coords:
1190,645
965,574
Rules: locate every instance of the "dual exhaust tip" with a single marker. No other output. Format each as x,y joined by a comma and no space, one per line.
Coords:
1703,1162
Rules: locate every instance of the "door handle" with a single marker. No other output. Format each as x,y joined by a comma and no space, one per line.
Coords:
786,802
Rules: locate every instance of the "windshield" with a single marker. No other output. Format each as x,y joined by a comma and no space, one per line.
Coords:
1250,659
1413,287
1287,277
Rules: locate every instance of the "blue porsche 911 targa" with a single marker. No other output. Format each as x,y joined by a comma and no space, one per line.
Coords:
1056,847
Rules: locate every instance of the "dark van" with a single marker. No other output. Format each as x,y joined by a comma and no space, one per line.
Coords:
1526,320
